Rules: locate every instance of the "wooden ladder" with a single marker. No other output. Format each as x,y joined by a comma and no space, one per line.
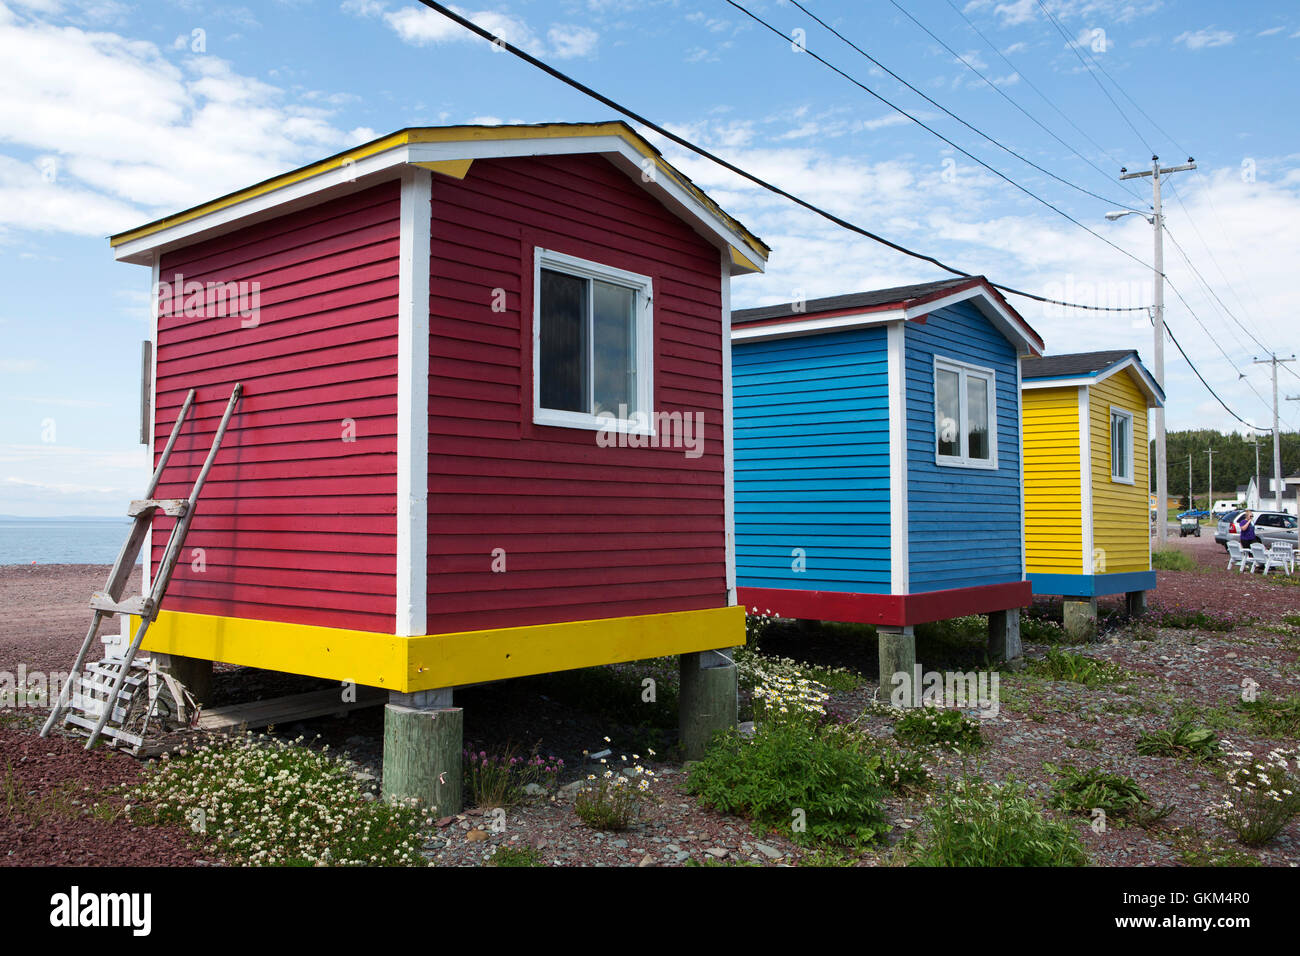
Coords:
105,689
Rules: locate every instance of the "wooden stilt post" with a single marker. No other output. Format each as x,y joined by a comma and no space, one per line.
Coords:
423,739
1136,603
1004,636
1081,618
707,699
897,650
194,672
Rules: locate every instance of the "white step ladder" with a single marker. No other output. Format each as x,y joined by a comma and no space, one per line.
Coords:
137,694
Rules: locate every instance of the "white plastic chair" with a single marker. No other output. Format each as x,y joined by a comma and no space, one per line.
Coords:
1238,556
1260,557
1282,554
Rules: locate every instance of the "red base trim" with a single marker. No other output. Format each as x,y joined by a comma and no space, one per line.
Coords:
893,610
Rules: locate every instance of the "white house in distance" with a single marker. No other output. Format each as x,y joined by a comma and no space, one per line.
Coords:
1262,497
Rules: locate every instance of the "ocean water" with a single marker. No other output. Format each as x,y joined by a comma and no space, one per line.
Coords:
61,540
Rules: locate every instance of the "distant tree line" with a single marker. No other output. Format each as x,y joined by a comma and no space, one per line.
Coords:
1234,461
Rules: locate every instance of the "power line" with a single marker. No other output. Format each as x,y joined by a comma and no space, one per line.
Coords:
1074,47
1215,295
1007,96
1060,212
1173,338
504,44
686,144
940,106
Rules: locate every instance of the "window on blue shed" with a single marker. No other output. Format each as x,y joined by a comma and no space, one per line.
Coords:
593,345
964,415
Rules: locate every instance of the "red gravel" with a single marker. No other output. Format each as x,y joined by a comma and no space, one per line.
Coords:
44,819
46,792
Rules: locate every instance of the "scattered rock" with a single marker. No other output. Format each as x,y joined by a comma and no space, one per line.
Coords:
647,860
717,852
771,852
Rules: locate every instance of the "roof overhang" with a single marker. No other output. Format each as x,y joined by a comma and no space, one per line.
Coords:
450,151
1144,380
982,296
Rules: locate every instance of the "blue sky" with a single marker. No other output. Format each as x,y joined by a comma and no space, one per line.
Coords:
113,113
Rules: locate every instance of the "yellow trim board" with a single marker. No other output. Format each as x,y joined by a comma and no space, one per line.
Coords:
443,134
455,168
410,664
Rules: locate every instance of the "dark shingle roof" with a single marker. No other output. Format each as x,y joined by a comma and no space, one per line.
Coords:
853,300
1074,363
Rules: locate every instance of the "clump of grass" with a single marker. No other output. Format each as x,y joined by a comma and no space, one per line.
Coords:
1194,848
1185,619
938,727
499,779
516,856
1184,738
1172,560
1077,668
1293,620
1120,797
974,823
795,778
1273,716
265,801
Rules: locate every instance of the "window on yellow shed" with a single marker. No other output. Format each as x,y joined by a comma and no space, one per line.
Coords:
1121,445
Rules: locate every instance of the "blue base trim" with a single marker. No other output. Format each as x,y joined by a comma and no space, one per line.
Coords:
1092,585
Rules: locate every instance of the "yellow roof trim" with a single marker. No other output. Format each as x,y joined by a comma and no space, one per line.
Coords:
455,168
444,134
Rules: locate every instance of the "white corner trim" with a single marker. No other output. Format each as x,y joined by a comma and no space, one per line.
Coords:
1020,446
146,553
899,569
728,434
413,403
1085,477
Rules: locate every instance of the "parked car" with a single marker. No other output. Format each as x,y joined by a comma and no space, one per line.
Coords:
1270,526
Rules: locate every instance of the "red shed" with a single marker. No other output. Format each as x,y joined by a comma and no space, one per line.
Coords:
485,429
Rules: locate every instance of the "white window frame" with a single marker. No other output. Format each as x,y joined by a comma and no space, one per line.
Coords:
642,419
964,371
1116,412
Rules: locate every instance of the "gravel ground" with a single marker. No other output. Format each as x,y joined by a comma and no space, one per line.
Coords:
1040,722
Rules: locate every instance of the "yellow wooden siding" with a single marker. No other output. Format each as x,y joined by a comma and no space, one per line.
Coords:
1053,523
1120,511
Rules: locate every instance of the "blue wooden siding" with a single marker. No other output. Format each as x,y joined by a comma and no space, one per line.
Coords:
964,523
812,461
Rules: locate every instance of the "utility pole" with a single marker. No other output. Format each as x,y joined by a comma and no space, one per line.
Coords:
1210,483
1274,361
1191,505
1255,442
1157,221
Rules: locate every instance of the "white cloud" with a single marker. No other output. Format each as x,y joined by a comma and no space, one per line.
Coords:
122,133
1205,39
21,366
569,42
1270,31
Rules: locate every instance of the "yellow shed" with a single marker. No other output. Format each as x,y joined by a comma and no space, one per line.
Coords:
1087,524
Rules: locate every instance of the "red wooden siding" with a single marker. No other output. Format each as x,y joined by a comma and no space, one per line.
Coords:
296,524
588,532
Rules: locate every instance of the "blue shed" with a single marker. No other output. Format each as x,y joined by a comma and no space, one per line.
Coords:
878,456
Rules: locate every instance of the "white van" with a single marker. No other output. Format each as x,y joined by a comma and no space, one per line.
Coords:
1221,506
